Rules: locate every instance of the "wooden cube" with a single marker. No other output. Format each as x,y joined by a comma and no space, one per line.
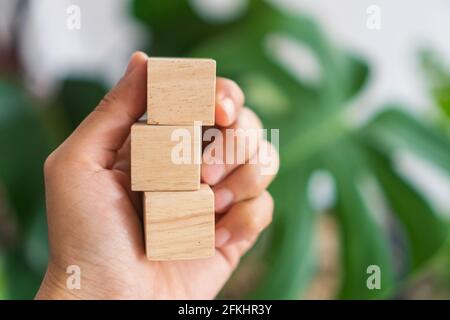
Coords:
179,225
181,91
162,161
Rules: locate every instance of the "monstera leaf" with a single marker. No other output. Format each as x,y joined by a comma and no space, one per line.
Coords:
24,145
314,134
438,80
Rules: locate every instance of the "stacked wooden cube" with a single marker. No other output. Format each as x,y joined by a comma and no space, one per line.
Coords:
178,209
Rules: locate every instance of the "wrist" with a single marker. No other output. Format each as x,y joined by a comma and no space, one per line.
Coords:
57,285
53,287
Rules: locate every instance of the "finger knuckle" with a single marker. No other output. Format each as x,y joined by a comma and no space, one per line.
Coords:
258,183
253,224
50,163
260,214
269,204
110,98
249,181
267,197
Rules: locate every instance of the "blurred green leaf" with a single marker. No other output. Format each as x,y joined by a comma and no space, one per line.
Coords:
36,244
175,26
438,80
364,241
291,251
416,215
395,130
24,144
78,97
23,141
3,278
21,282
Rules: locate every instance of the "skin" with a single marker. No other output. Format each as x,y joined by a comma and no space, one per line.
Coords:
95,220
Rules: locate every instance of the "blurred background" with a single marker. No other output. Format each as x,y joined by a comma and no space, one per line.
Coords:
360,91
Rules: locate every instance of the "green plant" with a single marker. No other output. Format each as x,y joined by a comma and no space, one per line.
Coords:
438,80
314,134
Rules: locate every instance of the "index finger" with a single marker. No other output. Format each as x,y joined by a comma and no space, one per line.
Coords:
229,102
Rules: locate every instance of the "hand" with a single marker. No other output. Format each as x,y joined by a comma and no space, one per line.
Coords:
94,218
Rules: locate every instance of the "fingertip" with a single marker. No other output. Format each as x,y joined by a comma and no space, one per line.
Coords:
136,59
140,56
229,101
225,112
212,173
